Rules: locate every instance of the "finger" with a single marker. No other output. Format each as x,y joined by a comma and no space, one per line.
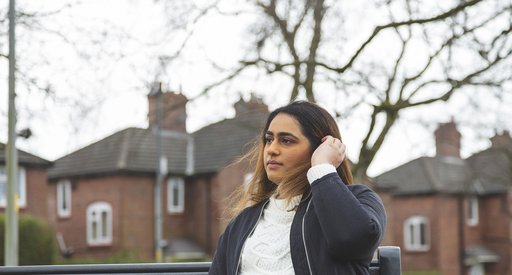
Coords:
344,149
326,138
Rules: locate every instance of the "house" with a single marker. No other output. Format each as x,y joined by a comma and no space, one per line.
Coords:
102,198
32,186
449,214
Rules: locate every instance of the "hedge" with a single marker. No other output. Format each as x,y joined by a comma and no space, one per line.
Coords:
36,241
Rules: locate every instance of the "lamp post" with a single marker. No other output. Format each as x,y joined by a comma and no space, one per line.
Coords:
11,222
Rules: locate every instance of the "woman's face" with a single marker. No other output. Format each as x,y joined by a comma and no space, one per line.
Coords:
285,147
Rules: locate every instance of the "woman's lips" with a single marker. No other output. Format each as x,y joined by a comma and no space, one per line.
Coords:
273,164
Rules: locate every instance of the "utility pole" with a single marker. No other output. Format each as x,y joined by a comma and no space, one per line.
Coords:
160,174
11,222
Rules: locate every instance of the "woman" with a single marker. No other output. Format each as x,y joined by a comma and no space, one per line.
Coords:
300,214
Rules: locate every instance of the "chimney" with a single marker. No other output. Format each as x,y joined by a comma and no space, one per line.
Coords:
502,140
174,114
448,140
254,104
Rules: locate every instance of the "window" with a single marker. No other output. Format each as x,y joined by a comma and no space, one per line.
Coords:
416,234
64,198
175,195
20,187
99,223
472,211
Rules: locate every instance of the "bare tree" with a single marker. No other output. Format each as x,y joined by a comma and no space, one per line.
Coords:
34,29
65,53
439,48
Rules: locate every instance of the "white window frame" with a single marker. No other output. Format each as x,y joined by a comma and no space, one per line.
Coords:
94,216
472,203
64,193
412,240
172,206
22,187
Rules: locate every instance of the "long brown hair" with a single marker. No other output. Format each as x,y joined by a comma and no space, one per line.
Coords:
315,123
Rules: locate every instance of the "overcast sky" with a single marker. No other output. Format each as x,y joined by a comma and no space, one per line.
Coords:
110,54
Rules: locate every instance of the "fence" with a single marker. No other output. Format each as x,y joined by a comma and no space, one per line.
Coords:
387,262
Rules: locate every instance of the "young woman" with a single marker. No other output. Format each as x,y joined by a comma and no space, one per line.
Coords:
301,214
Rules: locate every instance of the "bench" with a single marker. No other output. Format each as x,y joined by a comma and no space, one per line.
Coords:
387,262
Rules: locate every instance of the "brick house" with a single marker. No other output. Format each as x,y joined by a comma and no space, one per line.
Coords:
101,197
449,214
32,183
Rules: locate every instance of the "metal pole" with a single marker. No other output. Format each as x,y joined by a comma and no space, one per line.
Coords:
159,178
11,222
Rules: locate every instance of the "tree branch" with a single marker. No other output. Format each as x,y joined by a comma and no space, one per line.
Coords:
380,28
455,84
318,15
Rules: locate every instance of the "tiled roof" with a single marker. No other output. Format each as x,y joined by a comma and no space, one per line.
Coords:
493,168
24,158
132,149
209,149
482,173
217,145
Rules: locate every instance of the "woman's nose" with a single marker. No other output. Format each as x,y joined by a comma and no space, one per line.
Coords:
272,149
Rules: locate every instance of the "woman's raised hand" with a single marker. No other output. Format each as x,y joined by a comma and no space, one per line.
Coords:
331,151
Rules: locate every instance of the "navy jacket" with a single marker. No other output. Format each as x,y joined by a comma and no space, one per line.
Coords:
335,231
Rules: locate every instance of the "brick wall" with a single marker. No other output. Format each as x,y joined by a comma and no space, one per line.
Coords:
37,188
493,231
405,207
496,224
223,184
136,232
200,219
132,211
445,233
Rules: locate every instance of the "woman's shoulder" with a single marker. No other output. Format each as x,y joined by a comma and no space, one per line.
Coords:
357,187
361,190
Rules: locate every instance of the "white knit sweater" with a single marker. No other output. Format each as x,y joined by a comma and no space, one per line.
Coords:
267,250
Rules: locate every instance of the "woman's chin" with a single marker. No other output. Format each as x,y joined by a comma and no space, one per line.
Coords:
274,179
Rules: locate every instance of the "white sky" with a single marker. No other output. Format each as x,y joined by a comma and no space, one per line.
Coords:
115,88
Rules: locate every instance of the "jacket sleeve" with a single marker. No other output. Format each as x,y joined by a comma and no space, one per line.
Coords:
219,262
352,218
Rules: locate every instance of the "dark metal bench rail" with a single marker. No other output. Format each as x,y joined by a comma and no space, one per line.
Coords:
387,263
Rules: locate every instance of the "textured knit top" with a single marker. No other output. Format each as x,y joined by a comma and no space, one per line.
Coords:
267,250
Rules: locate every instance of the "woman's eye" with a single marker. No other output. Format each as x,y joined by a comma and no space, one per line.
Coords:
287,141
268,140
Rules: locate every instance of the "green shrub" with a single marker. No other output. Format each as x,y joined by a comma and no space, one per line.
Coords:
121,257
36,241
422,273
